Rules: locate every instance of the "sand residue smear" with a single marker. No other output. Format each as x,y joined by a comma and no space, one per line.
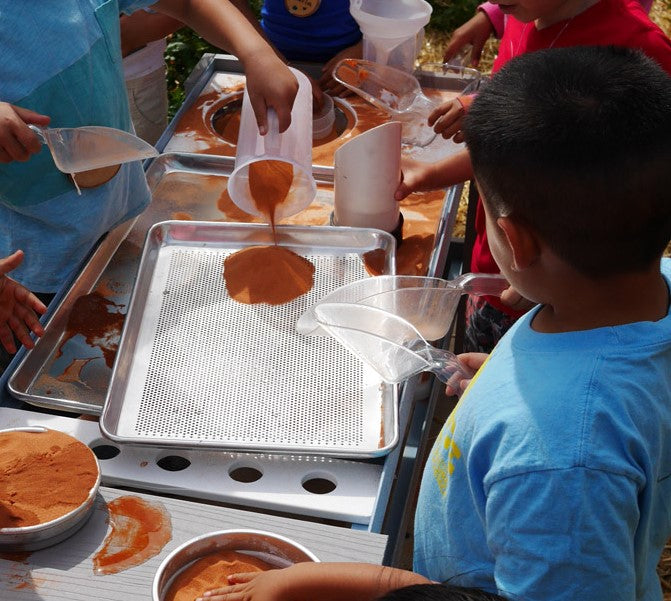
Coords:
212,572
43,476
267,274
139,530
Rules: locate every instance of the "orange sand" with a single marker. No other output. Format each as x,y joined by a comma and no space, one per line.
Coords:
269,185
267,274
43,476
211,572
140,530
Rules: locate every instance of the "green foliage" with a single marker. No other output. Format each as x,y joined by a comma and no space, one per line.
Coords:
449,14
181,55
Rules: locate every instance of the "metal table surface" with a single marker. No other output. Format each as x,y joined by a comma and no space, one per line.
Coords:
64,572
380,492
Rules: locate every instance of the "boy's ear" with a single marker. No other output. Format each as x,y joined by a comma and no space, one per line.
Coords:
522,242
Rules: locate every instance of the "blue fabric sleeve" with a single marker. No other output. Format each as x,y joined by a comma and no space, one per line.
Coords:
544,525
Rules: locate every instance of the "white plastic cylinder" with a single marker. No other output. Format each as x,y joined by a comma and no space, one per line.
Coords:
392,29
293,146
367,171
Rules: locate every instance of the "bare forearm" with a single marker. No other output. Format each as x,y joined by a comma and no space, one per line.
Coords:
220,23
452,170
140,28
352,581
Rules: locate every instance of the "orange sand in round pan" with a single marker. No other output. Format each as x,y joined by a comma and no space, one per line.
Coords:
211,572
43,476
267,274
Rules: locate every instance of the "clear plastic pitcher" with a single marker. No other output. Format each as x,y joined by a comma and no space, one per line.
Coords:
292,148
392,29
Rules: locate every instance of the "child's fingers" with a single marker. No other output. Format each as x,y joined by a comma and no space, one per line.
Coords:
31,116
260,112
242,577
15,148
473,361
20,331
30,319
11,262
439,112
224,593
7,339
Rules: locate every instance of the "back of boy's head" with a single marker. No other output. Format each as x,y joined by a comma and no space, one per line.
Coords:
576,144
439,592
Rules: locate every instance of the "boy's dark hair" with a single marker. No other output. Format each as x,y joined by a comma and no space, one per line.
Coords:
439,592
576,143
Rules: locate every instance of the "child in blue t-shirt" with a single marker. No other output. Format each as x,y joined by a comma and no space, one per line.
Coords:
552,477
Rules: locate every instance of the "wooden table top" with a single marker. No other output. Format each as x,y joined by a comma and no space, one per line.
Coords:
64,572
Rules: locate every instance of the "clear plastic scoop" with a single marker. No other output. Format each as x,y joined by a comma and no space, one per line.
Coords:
77,149
392,90
387,343
429,304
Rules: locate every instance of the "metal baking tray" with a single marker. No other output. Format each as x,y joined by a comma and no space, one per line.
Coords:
195,368
68,369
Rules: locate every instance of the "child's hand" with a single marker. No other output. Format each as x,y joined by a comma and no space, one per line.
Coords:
330,85
448,118
262,586
19,308
17,142
270,84
475,32
471,362
415,176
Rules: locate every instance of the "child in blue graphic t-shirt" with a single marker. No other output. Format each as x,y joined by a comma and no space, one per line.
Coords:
551,479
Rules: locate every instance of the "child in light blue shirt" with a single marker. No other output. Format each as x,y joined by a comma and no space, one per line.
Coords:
61,66
552,477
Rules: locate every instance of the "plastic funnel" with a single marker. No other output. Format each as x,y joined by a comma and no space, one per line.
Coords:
367,170
429,304
292,147
390,29
77,149
394,91
386,342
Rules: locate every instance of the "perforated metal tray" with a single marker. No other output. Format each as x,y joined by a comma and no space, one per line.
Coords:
196,368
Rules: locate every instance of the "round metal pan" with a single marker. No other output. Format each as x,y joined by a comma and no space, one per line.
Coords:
272,548
39,536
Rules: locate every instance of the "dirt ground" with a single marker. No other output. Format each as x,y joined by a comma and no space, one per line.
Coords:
432,52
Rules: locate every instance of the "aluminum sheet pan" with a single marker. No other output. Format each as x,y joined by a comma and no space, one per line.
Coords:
195,368
70,367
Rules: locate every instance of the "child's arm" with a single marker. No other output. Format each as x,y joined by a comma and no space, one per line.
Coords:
476,32
323,581
142,27
448,117
17,142
269,81
330,85
418,176
18,308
